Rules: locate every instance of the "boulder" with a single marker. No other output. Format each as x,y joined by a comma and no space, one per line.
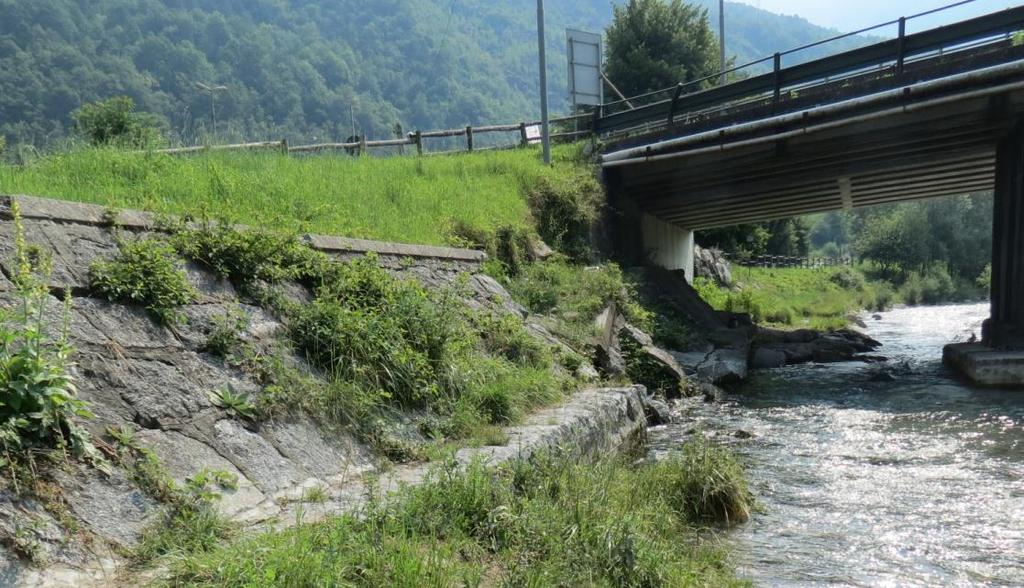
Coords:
650,365
711,264
767,358
656,411
724,366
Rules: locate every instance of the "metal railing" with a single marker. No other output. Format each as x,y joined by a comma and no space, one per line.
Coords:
891,59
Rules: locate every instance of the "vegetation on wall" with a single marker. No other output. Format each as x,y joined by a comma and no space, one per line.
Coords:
39,406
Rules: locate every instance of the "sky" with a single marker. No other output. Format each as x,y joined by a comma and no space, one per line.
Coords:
849,15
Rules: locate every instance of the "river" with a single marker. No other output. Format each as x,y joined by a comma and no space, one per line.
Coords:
913,482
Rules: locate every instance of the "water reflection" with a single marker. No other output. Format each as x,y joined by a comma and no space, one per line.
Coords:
912,482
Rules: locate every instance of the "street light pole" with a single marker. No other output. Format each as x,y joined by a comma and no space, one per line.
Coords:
721,40
545,123
212,91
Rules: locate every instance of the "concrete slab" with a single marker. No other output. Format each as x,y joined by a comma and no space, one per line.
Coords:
986,366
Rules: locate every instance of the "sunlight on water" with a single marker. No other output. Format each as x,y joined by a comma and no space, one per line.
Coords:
916,482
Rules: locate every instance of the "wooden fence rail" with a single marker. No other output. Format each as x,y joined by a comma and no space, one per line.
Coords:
415,138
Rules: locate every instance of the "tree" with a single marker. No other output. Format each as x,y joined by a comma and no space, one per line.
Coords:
656,44
114,122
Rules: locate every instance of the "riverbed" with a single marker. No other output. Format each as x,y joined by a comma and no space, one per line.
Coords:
865,475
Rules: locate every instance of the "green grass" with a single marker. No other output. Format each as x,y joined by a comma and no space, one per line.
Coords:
408,199
798,297
551,522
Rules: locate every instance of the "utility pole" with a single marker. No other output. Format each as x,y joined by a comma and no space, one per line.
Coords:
545,123
721,40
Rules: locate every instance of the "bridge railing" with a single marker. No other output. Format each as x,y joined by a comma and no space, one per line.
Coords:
892,59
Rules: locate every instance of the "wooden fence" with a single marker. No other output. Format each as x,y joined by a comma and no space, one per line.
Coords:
415,139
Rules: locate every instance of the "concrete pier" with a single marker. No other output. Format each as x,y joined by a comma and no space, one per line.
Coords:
999,359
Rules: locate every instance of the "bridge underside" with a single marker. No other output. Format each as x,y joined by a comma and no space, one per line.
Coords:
915,152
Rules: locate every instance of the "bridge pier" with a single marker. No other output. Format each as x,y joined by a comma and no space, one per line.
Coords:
999,359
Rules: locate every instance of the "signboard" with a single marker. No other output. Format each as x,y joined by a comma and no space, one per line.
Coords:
585,53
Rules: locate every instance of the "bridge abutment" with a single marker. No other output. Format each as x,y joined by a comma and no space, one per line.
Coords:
667,246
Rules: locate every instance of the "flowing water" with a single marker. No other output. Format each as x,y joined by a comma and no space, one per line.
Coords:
912,482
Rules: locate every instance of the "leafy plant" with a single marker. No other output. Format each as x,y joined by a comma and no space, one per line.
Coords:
234,403
146,272
115,121
227,332
38,398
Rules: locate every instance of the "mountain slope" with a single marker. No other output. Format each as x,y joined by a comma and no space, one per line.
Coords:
295,68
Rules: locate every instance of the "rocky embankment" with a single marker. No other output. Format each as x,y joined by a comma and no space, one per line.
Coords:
152,385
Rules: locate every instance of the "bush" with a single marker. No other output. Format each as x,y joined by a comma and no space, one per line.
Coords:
848,279
934,286
505,336
707,486
115,122
146,272
565,210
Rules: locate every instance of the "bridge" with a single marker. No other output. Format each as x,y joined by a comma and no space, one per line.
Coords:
935,113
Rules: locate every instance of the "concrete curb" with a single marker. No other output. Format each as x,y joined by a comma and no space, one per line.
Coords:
61,211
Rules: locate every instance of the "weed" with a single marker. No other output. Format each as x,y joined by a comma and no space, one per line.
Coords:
234,403
38,400
226,334
706,484
147,272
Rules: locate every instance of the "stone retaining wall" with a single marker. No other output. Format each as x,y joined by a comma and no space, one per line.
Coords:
157,380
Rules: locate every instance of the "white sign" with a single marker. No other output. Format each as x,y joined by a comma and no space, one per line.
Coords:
585,63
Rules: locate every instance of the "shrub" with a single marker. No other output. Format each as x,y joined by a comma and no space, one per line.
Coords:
642,369
38,398
115,122
984,280
505,336
247,256
565,210
708,486
146,272
933,286
848,279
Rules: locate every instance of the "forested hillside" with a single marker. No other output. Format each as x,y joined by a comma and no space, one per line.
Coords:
294,68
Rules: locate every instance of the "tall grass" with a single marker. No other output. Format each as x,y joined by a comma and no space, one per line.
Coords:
548,523
410,199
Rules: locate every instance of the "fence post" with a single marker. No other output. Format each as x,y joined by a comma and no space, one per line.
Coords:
524,141
901,46
778,83
362,145
284,146
418,137
469,138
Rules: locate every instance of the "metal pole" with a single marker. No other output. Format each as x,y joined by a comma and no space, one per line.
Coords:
545,123
721,39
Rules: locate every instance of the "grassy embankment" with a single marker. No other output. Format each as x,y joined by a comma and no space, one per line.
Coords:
825,298
799,297
414,200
